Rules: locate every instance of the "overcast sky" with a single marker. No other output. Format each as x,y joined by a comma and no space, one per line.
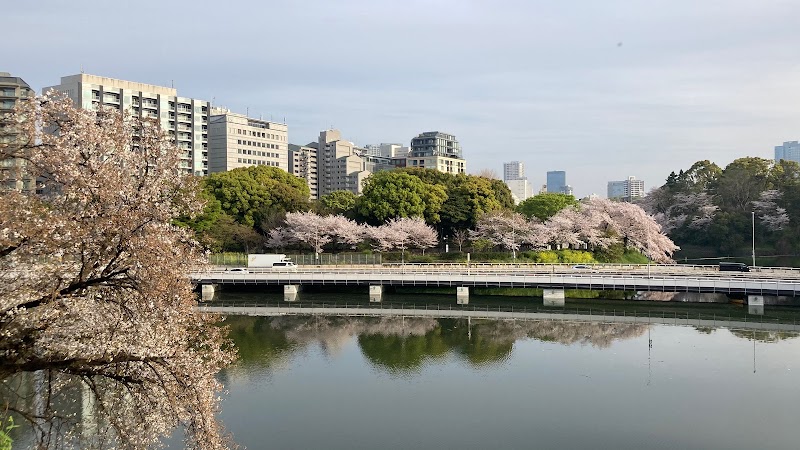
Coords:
601,89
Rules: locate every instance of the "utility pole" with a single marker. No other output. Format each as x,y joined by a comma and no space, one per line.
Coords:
754,237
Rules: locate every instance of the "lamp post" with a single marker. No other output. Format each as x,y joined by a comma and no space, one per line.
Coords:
753,215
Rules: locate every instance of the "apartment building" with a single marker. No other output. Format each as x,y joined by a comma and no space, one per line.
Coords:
12,170
626,190
303,164
235,140
341,165
436,150
185,119
514,170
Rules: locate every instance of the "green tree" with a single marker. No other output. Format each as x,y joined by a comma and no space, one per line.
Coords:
336,203
393,194
546,205
468,197
248,193
741,183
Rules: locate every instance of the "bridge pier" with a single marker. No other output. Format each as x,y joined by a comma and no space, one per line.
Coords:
462,295
755,305
290,292
553,297
375,293
207,292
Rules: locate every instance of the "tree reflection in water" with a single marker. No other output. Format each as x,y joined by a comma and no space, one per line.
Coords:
402,346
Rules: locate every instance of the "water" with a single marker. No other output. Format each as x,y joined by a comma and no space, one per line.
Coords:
344,383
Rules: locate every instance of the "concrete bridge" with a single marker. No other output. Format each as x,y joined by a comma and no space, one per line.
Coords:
553,278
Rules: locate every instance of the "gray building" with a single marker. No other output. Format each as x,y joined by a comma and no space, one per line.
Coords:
235,140
436,150
557,182
340,163
303,164
626,190
12,170
514,170
789,151
185,119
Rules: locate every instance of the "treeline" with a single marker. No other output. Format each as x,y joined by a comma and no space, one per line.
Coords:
256,208
713,208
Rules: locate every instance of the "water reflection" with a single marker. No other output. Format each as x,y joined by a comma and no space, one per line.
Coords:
404,345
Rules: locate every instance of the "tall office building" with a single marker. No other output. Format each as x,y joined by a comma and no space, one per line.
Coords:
514,170
235,140
12,170
185,119
436,150
626,190
789,151
557,182
303,164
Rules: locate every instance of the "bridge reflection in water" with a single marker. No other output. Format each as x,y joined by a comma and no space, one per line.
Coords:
437,311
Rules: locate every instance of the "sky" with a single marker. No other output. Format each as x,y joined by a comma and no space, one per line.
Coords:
601,89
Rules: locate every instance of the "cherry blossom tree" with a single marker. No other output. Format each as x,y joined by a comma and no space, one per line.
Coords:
505,229
94,287
772,216
347,232
403,233
311,229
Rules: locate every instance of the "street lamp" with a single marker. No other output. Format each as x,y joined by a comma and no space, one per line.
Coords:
753,215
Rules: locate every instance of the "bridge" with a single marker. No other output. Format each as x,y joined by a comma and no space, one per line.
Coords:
553,278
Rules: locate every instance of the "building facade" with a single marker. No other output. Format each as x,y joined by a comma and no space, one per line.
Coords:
235,140
185,119
520,189
789,151
514,170
557,182
340,163
626,190
12,170
303,164
436,150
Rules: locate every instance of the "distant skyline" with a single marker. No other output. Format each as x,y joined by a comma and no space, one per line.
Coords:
601,90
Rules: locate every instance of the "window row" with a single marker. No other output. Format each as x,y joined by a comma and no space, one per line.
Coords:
257,162
258,144
257,153
260,134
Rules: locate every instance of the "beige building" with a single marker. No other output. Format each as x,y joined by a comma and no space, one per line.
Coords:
341,167
12,170
185,119
236,140
303,164
436,150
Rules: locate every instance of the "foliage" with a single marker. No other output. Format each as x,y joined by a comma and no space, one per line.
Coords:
395,194
337,202
248,193
545,205
6,425
94,292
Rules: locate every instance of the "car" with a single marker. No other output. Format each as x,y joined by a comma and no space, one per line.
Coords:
284,265
581,267
238,270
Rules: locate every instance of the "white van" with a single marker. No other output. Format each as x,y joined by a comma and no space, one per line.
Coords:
284,265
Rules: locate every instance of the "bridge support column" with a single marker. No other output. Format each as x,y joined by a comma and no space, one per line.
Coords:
207,292
553,297
755,305
462,295
375,293
290,292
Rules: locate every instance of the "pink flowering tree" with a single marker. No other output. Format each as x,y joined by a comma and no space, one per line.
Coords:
504,229
403,233
95,295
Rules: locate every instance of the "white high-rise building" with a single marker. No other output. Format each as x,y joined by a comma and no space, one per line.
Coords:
514,178
236,140
626,189
303,164
12,170
436,150
185,119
